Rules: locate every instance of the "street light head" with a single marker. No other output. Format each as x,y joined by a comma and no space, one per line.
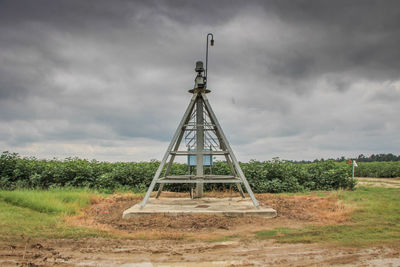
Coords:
212,42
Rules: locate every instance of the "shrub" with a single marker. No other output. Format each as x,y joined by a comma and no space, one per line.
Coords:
269,176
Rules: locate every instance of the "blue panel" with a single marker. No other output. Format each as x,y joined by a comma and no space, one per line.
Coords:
192,160
207,159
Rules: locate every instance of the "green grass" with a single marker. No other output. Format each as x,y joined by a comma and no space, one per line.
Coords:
39,214
59,201
376,220
276,232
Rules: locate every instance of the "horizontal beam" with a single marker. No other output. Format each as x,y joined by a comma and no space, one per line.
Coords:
220,177
199,124
179,181
178,177
184,153
193,129
193,177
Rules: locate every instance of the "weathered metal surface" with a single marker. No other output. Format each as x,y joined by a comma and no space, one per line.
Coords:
228,147
199,145
199,181
167,153
204,136
204,152
194,177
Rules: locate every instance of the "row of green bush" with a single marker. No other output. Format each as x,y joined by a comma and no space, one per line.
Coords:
378,169
269,176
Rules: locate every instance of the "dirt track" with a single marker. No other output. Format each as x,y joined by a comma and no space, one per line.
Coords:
185,241
106,252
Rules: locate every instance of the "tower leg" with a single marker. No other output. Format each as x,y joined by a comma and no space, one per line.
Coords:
240,190
228,147
199,190
178,142
159,190
178,131
228,161
199,145
191,191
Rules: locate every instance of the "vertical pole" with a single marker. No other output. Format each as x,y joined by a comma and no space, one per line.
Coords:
212,43
199,145
353,170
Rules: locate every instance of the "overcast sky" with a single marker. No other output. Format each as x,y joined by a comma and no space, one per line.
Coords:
109,79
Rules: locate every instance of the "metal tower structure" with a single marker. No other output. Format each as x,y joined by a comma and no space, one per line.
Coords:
204,138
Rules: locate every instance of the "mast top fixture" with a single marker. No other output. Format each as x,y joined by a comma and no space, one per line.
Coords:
199,67
200,82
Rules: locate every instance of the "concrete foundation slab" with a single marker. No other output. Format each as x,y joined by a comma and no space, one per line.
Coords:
212,206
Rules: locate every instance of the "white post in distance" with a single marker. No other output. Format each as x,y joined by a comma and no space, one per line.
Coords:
354,165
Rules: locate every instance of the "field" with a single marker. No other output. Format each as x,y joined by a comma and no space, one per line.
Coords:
274,176
71,227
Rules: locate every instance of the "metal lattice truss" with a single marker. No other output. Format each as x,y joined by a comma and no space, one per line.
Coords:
211,140
202,135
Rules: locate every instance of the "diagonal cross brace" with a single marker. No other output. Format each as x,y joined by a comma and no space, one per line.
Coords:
174,144
186,116
228,147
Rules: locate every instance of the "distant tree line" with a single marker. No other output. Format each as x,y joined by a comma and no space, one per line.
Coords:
378,157
361,158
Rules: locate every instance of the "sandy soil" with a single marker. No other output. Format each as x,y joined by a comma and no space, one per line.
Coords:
293,211
119,252
185,241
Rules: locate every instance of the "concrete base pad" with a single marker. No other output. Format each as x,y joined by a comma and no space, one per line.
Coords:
212,206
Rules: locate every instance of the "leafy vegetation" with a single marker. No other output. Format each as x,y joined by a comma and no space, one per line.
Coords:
378,169
270,176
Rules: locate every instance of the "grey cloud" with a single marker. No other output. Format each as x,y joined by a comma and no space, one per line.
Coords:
99,72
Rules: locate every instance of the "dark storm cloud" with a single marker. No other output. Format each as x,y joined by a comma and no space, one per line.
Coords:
98,72
310,38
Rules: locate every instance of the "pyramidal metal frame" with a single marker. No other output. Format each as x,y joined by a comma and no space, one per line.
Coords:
198,107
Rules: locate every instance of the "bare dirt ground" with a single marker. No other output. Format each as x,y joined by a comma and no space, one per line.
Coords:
119,252
293,211
185,241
